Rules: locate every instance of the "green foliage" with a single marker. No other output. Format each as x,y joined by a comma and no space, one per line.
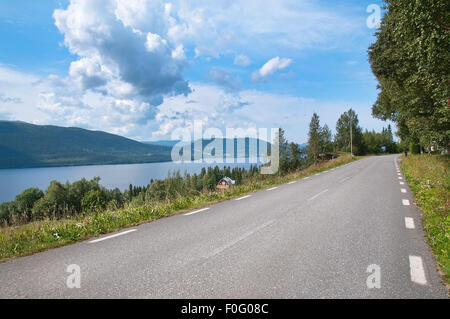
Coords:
414,148
342,137
411,59
25,200
373,142
95,200
314,139
284,152
326,140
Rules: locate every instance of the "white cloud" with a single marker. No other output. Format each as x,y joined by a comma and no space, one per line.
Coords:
122,42
270,68
242,60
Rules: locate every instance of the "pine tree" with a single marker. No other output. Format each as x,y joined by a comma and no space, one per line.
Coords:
314,139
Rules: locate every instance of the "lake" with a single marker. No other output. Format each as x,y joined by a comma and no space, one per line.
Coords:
14,181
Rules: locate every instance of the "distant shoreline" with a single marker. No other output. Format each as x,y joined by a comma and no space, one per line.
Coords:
123,163
88,164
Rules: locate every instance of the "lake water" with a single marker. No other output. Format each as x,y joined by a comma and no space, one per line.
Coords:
14,181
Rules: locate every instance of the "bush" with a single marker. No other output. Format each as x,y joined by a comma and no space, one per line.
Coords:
26,200
414,148
94,200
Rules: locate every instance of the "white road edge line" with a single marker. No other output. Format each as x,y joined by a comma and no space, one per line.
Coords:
409,223
196,211
405,202
243,197
271,189
403,190
416,270
402,183
293,182
240,238
322,192
307,177
112,236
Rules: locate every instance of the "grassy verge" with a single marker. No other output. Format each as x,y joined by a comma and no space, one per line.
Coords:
429,178
41,235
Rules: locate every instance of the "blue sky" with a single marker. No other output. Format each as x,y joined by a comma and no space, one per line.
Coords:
142,69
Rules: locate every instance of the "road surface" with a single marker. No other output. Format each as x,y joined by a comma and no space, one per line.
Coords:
326,236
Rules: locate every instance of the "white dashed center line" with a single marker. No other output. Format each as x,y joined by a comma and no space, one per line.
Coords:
196,211
416,270
322,192
237,240
409,223
112,236
405,202
243,197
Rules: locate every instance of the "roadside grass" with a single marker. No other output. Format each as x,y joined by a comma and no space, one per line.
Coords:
429,178
38,236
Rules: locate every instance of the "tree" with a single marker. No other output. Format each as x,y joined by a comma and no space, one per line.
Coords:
326,142
410,59
54,203
284,152
26,200
79,189
342,137
314,139
296,156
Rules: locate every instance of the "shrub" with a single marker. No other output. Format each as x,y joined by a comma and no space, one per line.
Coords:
94,200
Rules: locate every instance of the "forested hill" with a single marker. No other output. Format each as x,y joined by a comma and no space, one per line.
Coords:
27,145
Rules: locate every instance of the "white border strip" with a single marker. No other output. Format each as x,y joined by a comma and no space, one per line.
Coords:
243,197
196,211
112,236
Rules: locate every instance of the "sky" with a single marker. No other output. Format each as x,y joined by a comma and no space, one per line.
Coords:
144,69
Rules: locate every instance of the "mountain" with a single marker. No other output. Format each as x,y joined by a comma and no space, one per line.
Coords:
28,145
251,145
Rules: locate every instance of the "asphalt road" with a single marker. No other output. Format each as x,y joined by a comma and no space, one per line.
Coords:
315,238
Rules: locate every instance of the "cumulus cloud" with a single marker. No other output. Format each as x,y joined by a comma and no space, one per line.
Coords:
242,60
123,44
212,105
270,68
